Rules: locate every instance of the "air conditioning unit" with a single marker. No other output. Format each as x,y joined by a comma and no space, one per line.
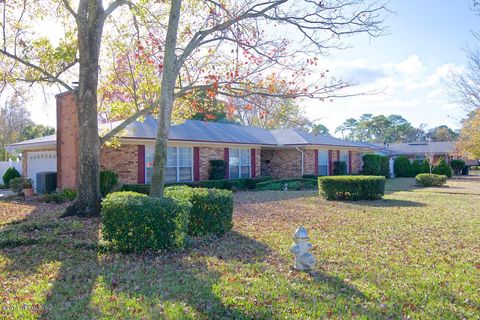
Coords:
46,182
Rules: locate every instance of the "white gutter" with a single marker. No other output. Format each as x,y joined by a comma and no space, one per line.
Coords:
298,149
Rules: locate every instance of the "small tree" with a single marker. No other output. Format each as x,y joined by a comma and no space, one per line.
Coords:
402,167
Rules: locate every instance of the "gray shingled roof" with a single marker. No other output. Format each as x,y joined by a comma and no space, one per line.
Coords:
420,148
194,130
216,132
297,137
43,141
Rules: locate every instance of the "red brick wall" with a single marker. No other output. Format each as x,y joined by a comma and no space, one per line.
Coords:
67,137
212,153
123,160
357,161
282,163
309,161
207,154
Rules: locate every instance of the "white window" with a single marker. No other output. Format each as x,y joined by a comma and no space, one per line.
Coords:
344,158
239,163
179,164
323,162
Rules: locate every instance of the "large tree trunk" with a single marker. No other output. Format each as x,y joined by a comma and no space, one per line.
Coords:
166,102
90,29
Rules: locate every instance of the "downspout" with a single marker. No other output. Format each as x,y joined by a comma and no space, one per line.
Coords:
298,149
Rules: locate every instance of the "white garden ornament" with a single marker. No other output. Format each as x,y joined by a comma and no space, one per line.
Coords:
304,260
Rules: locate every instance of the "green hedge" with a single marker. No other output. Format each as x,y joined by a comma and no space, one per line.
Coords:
352,187
211,212
133,222
457,166
429,180
10,174
108,182
226,184
217,170
375,165
292,184
442,168
339,168
402,167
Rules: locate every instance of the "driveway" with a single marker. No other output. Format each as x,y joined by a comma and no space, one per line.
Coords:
5,193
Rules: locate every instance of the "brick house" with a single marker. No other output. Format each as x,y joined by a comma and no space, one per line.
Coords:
247,151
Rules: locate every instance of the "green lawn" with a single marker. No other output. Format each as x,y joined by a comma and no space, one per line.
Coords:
414,254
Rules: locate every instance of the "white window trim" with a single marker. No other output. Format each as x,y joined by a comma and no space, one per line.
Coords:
177,166
240,163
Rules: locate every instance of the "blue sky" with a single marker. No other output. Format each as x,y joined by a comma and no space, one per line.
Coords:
411,65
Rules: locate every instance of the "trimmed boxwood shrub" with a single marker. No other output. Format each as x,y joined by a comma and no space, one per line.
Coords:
375,165
443,168
133,222
10,174
352,187
425,167
429,180
108,182
339,168
292,184
457,166
211,209
217,170
402,167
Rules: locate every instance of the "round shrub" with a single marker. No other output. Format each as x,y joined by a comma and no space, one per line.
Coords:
375,165
211,209
217,170
443,168
416,167
352,187
457,166
339,168
108,182
10,174
425,168
133,222
430,179
402,167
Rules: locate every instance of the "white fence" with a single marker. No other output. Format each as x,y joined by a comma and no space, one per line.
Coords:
4,165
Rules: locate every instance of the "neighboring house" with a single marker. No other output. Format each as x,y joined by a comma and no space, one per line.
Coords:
247,151
419,150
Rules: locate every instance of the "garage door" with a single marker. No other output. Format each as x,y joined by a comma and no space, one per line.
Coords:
42,161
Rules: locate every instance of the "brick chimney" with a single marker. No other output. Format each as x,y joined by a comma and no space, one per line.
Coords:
67,140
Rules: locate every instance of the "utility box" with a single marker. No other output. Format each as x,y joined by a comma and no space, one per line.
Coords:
46,182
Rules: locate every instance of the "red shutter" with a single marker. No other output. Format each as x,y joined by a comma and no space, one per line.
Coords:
316,162
141,164
226,158
330,162
349,162
253,163
196,163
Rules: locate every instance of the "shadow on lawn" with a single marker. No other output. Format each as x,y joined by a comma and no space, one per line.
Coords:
92,285
386,203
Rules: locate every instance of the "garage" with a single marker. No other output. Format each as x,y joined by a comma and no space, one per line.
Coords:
41,161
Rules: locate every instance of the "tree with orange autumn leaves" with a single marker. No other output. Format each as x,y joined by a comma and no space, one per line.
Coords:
229,49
